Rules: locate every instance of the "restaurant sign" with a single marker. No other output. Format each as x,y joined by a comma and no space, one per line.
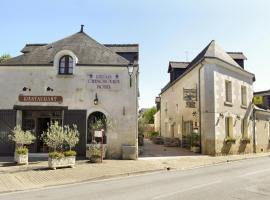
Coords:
58,99
104,81
190,97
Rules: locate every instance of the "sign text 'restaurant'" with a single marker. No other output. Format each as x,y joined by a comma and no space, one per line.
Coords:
23,98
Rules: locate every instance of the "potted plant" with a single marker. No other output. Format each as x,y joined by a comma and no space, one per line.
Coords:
245,140
100,125
230,140
21,138
95,153
195,142
56,137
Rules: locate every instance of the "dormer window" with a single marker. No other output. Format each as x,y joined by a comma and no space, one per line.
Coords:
66,65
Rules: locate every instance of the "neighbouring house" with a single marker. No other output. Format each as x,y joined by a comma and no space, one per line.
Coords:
262,99
212,95
75,80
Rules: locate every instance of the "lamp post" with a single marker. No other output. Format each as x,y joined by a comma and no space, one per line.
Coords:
130,72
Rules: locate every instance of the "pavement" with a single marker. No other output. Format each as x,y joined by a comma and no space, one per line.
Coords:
37,175
245,179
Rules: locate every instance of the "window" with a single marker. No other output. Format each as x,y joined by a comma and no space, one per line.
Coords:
244,128
66,65
177,108
244,95
228,126
228,89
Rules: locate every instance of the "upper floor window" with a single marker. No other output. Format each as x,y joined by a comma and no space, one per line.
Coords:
228,89
66,65
244,95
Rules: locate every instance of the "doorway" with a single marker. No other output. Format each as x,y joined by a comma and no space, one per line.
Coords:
42,126
93,119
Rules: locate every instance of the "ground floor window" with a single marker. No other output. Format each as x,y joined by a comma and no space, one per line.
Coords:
228,127
244,128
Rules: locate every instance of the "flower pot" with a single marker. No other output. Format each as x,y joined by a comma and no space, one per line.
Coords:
195,149
94,159
21,159
88,152
68,161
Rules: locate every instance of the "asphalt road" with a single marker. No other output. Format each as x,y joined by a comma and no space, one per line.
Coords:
248,179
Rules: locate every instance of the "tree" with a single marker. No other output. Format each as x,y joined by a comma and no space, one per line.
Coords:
4,57
71,136
21,137
149,115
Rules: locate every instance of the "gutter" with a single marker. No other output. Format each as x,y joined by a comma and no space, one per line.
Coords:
254,130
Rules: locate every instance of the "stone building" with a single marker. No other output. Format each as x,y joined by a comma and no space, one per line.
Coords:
75,80
211,95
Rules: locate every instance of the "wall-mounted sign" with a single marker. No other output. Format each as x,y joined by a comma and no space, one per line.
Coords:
98,134
58,99
190,104
104,81
190,94
258,100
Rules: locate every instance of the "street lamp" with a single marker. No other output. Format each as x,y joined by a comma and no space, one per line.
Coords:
130,72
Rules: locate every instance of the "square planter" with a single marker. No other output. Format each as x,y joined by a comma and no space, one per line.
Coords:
88,153
21,159
68,161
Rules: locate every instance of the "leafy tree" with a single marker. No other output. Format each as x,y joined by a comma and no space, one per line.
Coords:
21,137
4,57
71,136
149,115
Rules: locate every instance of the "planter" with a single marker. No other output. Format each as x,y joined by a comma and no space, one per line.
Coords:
88,153
230,141
245,140
69,161
21,159
95,159
195,149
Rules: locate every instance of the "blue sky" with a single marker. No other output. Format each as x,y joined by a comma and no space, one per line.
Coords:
165,30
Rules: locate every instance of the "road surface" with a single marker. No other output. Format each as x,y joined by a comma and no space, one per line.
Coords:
248,179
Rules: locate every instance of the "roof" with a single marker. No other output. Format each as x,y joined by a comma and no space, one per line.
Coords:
123,48
262,92
31,47
87,50
177,65
237,55
212,50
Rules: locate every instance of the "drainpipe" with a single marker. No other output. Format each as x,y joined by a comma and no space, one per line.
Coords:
254,129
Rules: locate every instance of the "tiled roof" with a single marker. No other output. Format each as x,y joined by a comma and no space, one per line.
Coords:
123,48
88,51
237,55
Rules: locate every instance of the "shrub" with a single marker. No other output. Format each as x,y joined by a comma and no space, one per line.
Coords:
56,154
70,153
21,150
95,151
153,134
71,136
195,139
21,137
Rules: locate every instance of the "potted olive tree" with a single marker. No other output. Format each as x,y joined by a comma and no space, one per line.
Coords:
95,153
99,126
21,138
56,137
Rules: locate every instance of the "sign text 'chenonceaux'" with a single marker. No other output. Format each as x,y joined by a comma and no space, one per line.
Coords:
104,81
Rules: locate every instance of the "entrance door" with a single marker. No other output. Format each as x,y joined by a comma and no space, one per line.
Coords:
42,126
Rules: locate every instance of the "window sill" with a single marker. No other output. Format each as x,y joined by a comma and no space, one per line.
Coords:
226,103
65,75
243,106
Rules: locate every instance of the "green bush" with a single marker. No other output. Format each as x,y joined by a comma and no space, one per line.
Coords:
21,150
70,153
194,139
153,134
56,154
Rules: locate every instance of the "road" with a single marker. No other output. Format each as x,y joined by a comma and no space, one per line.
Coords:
248,179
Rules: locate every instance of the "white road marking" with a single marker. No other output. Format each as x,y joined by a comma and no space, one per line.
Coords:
186,189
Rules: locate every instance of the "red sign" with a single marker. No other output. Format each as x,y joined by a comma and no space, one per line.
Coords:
23,98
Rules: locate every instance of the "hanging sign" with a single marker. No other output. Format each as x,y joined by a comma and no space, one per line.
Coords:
258,100
28,98
190,94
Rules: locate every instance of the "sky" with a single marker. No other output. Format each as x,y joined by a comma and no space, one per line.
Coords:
166,30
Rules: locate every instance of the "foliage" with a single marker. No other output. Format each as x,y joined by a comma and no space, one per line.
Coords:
21,137
102,123
71,136
70,153
195,139
153,134
21,150
95,151
54,137
141,126
149,115
56,154
229,139
57,136
4,57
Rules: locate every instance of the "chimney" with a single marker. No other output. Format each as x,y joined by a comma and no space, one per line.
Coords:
82,28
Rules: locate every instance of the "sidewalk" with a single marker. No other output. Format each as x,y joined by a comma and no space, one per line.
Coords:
14,178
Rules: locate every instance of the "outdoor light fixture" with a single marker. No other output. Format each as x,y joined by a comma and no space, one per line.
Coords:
96,100
25,89
130,72
49,89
